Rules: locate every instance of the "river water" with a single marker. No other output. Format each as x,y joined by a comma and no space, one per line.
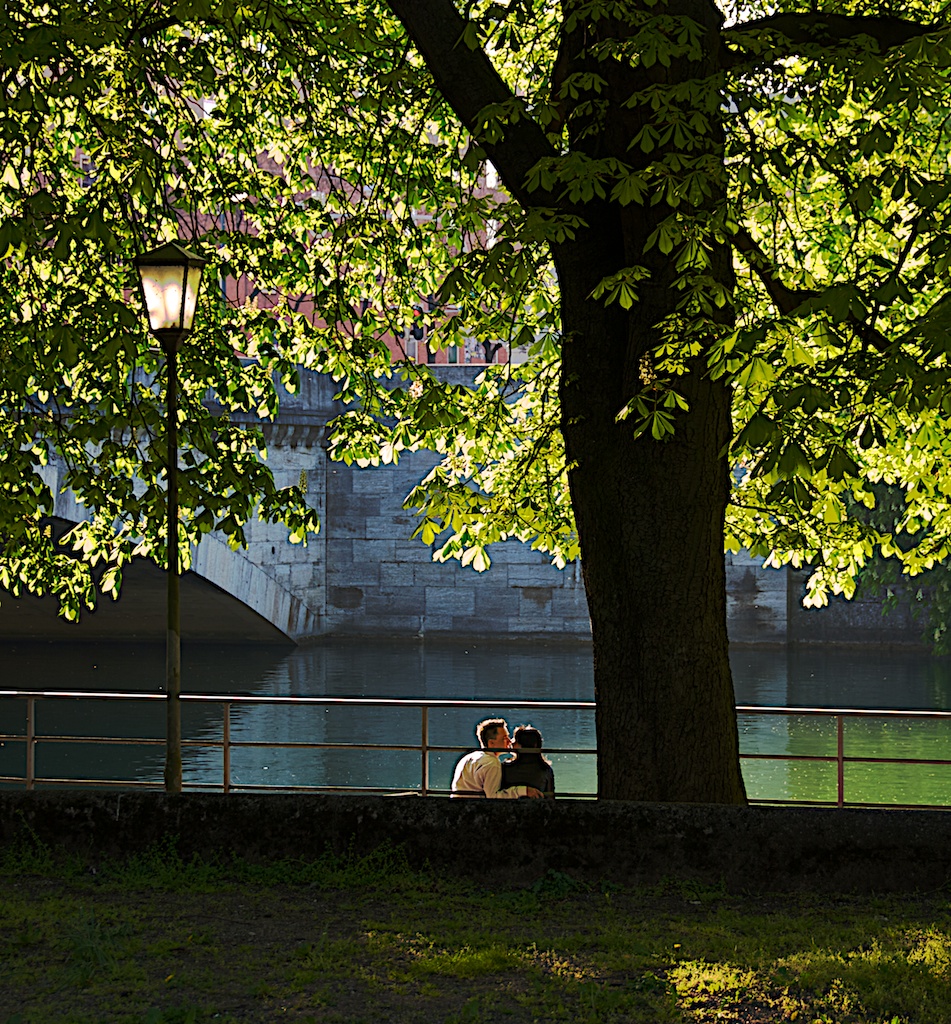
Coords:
500,672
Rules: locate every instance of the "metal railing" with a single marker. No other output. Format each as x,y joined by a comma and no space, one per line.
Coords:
839,716
32,738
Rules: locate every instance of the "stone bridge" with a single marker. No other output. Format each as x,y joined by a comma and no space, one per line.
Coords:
362,575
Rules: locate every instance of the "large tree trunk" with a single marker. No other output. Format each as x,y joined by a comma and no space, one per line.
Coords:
649,512
650,522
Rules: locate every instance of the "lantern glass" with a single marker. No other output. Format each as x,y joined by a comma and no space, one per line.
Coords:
171,278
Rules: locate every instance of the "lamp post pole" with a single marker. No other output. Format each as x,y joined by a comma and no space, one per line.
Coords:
170,277
173,630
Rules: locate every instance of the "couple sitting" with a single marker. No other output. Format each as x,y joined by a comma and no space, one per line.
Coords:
482,774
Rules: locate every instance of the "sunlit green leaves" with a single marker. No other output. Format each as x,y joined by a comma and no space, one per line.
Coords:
621,287
842,177
305,149
128,146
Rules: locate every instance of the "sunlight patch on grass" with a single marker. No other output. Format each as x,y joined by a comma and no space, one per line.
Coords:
899,973
931,948
701,984
466,962
351,938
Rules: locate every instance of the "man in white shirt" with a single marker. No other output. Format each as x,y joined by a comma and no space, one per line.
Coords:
479,774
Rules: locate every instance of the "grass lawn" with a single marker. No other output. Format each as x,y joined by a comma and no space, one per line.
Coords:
154,940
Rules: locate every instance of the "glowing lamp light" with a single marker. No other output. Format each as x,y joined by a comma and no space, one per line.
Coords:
170,277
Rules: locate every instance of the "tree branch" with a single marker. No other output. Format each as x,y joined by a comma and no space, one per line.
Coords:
469,83
789,300
786,299
820,29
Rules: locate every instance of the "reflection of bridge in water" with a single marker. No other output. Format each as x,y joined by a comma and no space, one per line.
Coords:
497,675
362,744
95,668
500,674
264,743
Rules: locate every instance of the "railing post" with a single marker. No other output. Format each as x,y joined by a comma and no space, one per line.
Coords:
840,759
30,742
226,750
424,752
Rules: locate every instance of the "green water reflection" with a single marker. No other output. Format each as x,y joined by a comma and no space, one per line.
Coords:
501,674
873,737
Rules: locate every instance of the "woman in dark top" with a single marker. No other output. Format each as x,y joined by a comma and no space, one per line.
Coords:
528,768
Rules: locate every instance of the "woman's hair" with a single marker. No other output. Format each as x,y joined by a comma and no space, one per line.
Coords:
529,740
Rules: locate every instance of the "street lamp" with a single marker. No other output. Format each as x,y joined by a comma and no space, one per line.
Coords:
170,277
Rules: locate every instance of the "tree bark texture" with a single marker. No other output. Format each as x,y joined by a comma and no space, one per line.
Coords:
650,522
650,514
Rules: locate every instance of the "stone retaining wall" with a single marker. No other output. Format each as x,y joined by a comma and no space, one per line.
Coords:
768,849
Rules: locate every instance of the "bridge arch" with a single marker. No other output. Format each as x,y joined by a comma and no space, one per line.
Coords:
236,574
245,595
224,597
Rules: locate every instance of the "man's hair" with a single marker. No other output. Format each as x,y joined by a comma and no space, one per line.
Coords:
489,729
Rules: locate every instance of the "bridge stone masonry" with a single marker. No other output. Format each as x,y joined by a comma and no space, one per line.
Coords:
363,575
